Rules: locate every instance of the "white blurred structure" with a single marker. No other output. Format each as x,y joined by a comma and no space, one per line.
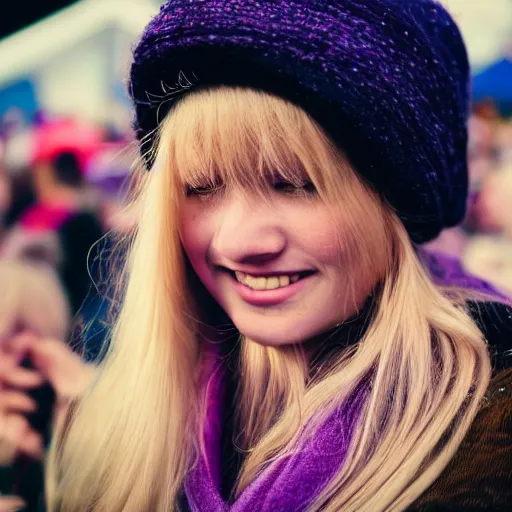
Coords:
75,61
486,26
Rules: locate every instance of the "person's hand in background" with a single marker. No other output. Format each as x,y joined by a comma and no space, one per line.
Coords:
67,373
11,503
53,362
16,435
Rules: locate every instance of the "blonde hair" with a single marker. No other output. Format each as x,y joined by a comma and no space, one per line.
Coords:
32,298
134,434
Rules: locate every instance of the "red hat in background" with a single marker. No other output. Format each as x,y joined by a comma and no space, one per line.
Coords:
66,135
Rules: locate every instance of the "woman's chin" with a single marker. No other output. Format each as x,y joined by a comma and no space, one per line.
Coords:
270,336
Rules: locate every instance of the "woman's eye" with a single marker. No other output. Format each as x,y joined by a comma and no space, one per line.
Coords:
207,190
289,188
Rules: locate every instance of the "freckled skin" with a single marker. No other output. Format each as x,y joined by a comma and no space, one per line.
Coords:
288,234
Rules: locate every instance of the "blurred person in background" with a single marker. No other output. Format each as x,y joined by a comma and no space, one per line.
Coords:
504,142
66,210
109,172
489,253
483,127
17,140
487,145
5,191
32,300
483,241
38,372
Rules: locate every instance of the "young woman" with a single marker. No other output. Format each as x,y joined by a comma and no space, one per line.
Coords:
282,343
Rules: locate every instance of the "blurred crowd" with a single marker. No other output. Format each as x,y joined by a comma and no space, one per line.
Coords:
483,242
63,183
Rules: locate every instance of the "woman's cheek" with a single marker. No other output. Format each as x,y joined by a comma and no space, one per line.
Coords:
318,233
196,233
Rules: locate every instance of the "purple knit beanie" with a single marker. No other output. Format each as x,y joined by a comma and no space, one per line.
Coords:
388,80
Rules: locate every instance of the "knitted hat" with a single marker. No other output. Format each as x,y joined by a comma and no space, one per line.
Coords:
386,79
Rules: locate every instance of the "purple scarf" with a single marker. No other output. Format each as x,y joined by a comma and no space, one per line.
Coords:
287,484
290,484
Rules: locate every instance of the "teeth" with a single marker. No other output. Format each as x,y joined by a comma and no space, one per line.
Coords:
284,281
256,283
272,283
240,277
265,283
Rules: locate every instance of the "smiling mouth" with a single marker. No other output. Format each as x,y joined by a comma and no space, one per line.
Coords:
270,282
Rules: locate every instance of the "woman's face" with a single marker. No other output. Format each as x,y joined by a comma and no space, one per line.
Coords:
279,269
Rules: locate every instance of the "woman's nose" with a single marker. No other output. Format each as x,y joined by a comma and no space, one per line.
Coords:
248,232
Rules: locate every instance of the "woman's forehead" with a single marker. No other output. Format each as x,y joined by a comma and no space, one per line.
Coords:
246,138
248,160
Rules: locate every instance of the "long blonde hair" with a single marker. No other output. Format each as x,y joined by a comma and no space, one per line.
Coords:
134,434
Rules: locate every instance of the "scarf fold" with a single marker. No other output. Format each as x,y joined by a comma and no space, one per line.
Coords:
289,483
